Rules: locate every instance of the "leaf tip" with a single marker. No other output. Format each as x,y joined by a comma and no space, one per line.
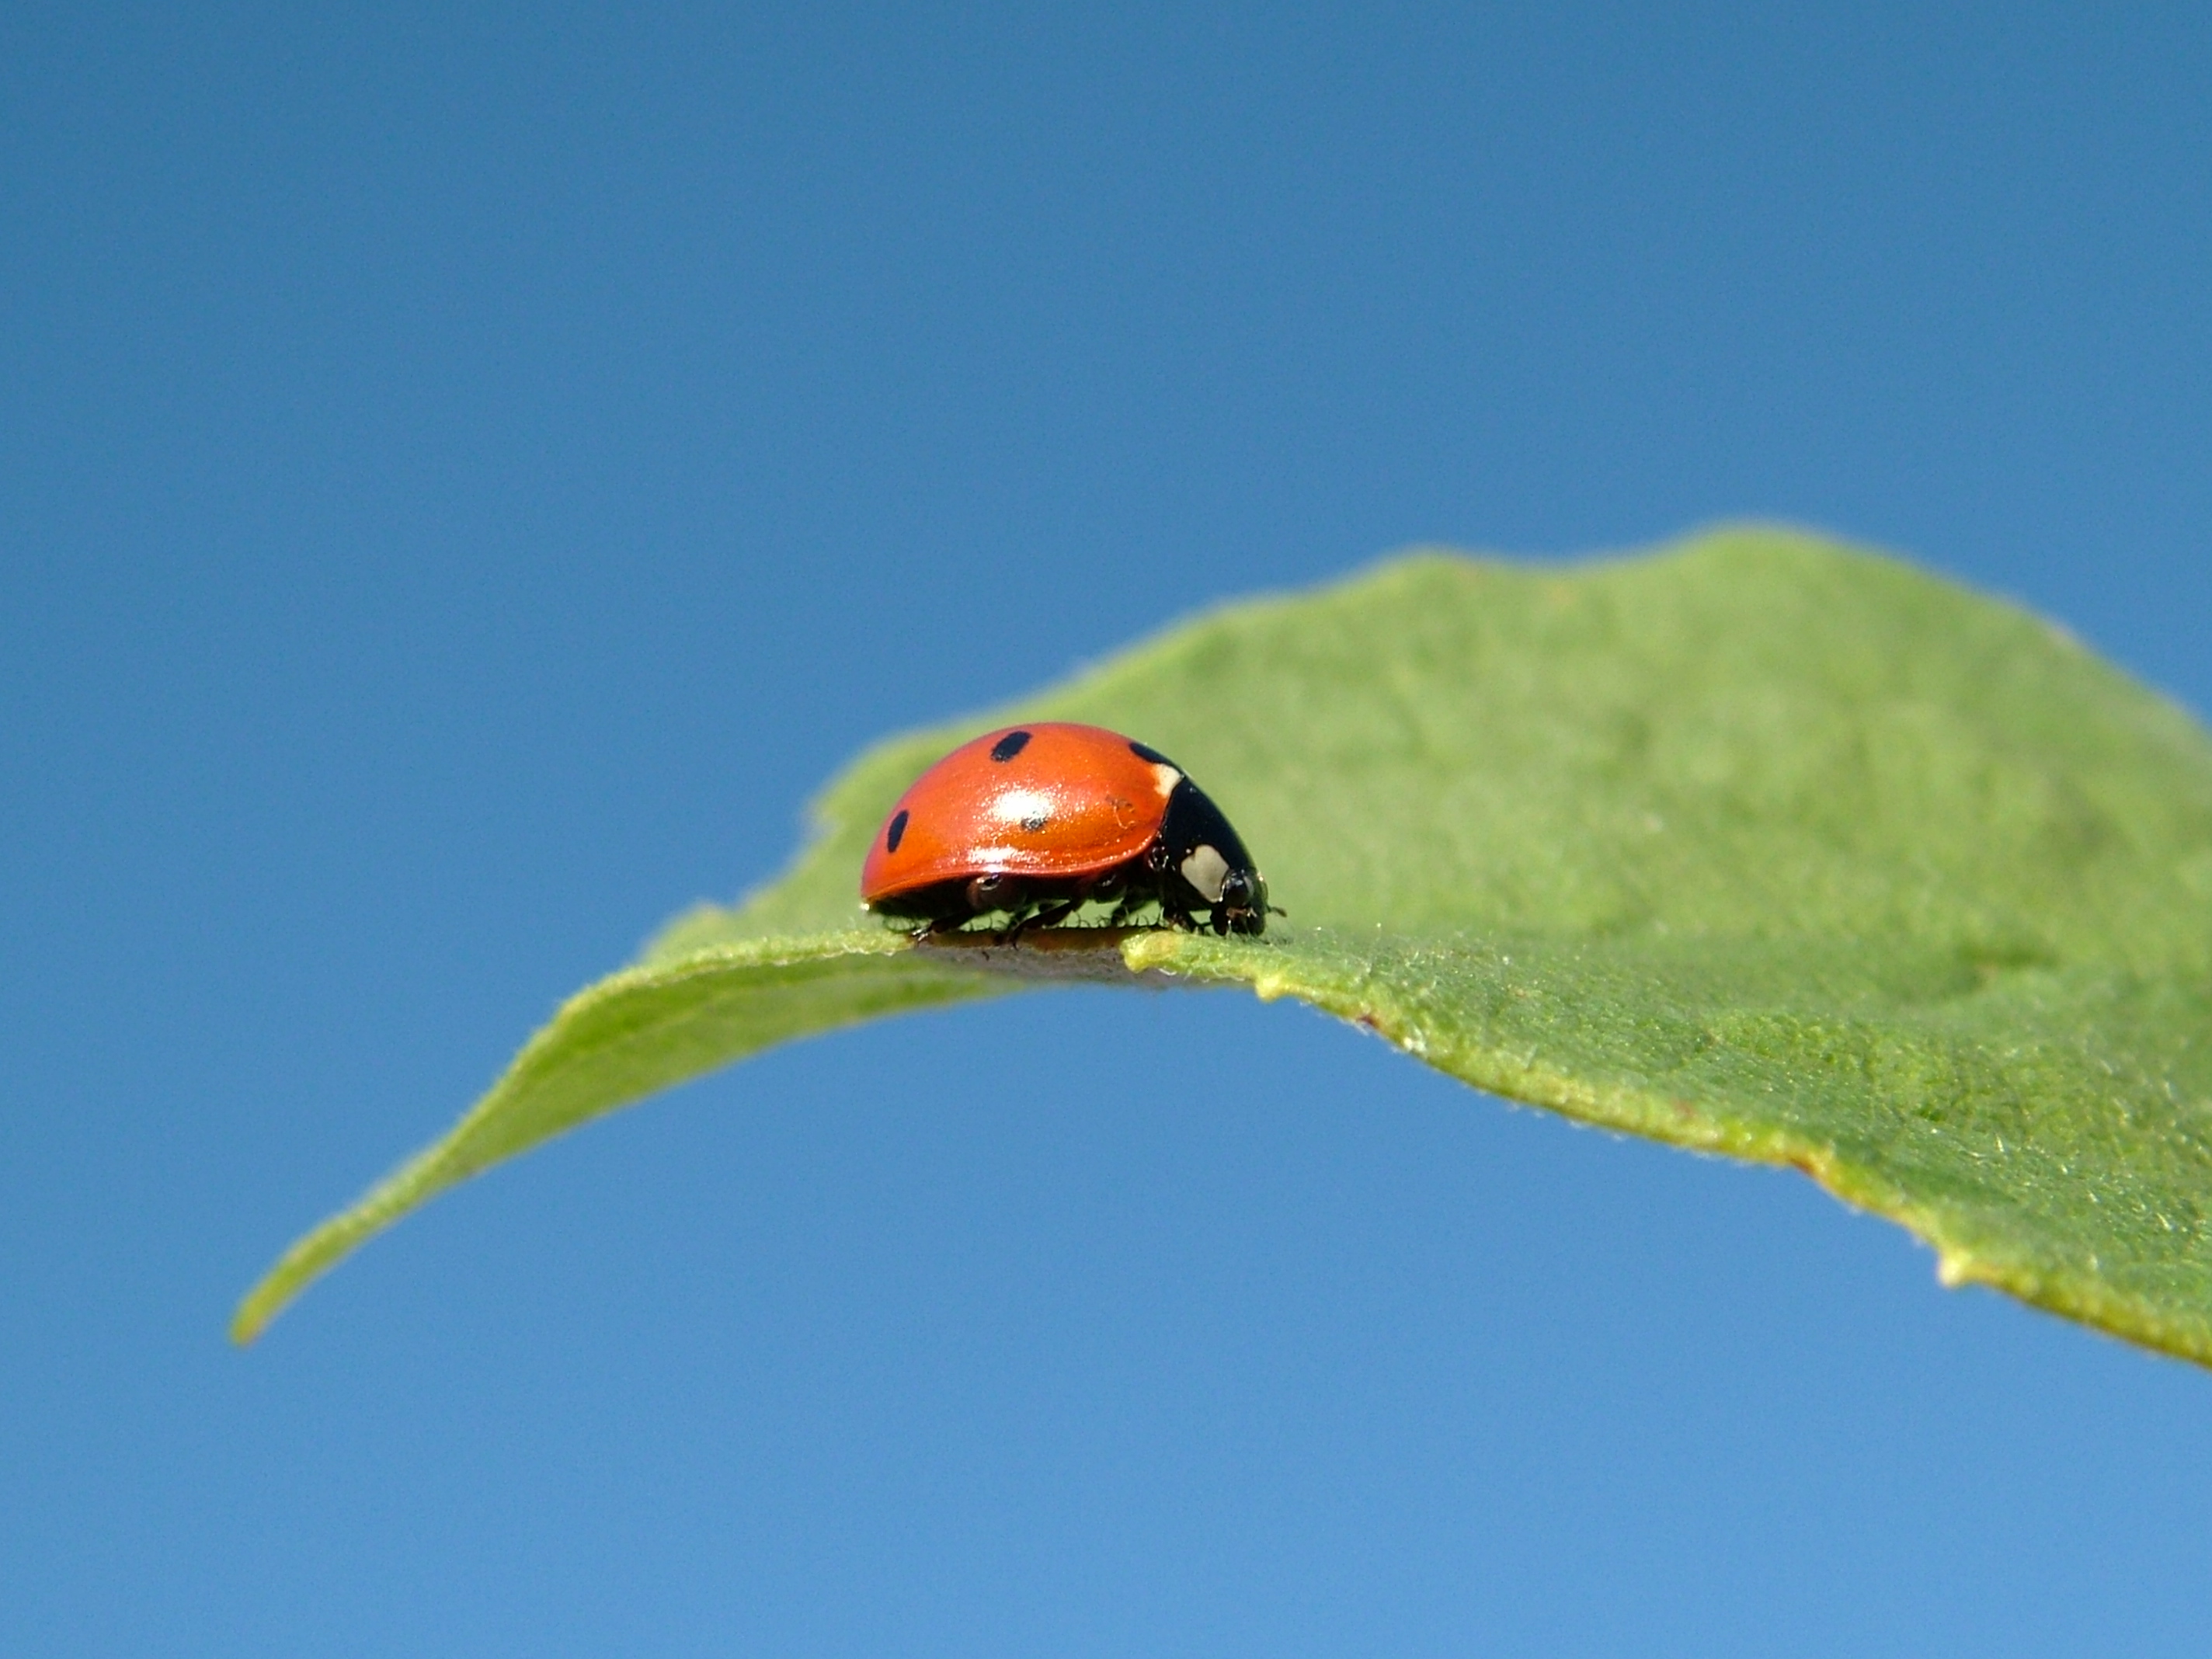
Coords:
308,1260
251,1317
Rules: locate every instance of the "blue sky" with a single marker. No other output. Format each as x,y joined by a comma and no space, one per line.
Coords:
466,475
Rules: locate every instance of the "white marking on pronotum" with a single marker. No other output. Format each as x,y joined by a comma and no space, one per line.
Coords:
1206,870
1166,777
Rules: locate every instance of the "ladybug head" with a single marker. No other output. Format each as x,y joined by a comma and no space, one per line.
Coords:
1242,907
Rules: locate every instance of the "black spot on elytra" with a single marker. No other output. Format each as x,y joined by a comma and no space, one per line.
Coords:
1150,755
897,830
1010,745
1034,823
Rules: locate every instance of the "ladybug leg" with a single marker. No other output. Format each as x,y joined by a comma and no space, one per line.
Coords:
1143,888
1051,910
1049,916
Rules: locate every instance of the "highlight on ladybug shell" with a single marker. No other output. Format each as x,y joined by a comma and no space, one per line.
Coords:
1035,821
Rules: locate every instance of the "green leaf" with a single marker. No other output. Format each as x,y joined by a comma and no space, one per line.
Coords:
1758,845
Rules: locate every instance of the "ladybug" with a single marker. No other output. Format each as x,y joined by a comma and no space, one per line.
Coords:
1037,821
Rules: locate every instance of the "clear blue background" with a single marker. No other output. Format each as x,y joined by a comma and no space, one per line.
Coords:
466,476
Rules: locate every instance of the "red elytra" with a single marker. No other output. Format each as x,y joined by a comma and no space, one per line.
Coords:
1035,821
